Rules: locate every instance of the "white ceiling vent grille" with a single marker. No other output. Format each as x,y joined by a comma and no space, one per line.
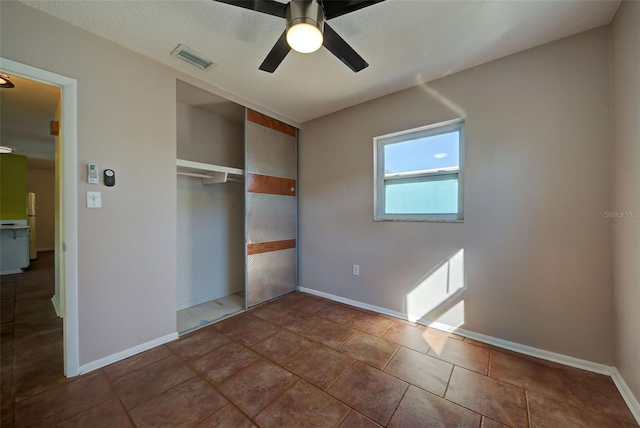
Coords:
192,57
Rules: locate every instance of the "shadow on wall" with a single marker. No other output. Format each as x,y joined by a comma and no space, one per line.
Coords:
437,297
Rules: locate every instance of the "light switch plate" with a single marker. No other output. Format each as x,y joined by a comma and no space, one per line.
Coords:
94,200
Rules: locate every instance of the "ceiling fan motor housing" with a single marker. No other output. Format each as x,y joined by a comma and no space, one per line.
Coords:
305,12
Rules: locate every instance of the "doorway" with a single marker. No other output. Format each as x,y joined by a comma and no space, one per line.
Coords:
65,241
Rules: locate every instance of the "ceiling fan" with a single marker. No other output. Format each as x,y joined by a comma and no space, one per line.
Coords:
306,28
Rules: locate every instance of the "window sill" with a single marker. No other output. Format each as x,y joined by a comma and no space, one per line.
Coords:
421,220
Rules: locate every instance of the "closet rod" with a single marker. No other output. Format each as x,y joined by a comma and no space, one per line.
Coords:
191,174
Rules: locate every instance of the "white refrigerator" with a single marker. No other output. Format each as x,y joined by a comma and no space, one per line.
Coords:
31,221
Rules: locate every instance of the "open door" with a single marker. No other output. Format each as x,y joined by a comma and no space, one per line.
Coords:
271,207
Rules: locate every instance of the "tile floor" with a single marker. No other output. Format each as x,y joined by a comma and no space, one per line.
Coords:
296,361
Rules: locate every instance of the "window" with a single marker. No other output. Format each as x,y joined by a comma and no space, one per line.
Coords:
419,173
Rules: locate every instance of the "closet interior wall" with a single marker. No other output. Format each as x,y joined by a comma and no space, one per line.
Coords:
211,259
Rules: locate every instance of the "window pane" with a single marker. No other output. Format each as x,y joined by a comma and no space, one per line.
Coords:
429,153
422,197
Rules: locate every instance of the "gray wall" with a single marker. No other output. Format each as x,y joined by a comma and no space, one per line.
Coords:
210,217
127,122
537,248
626,176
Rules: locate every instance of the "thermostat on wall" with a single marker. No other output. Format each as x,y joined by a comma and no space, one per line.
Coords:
109,177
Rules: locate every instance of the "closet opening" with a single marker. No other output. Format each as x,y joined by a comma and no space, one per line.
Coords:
210,143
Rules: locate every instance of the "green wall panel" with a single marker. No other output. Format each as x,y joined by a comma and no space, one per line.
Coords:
13,187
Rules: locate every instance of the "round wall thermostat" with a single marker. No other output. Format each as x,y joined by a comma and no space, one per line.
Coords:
109,177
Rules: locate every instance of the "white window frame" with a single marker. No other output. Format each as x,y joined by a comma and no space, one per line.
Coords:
379,179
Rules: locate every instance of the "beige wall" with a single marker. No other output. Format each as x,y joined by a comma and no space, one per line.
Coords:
42,183
126,121
626,176
537,248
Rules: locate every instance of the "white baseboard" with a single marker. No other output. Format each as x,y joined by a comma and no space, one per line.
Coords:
501,343
56,306
197,302
627,395
105,361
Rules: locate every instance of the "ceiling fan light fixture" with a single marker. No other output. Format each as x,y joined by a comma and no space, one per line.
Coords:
5,82
304,37
305,20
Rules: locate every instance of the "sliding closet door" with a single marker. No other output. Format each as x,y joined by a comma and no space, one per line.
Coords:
271,207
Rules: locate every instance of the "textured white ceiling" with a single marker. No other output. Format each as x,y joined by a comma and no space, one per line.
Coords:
26,112
406,42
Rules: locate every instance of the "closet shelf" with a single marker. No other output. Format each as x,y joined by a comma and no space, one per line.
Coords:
209,173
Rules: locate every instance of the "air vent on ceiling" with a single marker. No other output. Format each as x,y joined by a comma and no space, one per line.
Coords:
192,57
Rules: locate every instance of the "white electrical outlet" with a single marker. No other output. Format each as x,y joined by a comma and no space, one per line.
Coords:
356,270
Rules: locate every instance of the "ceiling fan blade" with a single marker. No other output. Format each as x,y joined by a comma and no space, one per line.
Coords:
342,50
334,8
277,54
270,7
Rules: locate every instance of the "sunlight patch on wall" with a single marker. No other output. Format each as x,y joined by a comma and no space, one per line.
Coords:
438,286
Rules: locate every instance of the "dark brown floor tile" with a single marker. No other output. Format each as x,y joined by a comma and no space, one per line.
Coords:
337,313
181,406
419,408
312,305
136,362
319,365
371,392
224,362
297,322
357,420
370,323
489,397
292,298
548,413
47,337
462,354
421,370
39,356
6,414
490,423
229,324
409,336
589,383
303,405
198,343
613,406
109,414
37,327
368,349
7,305
7,291
330,334
282,346
256,386
269,313
253,331
34,295
527,374
35,380
148,382
60,403
228,416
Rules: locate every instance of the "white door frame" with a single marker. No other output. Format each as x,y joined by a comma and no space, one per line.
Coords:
69,201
